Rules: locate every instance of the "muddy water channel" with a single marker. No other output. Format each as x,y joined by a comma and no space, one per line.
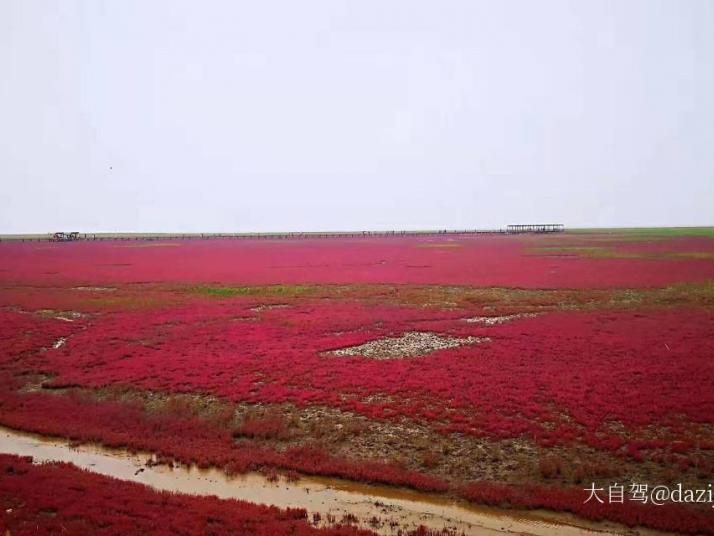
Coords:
392,508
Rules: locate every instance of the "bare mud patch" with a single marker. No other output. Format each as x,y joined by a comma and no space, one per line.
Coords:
65,316
95,289
269,307
410,344
495,320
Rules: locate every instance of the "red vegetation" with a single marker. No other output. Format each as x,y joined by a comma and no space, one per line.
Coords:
591,369
468,260
61,499
666,517
557,378
189,440
636,383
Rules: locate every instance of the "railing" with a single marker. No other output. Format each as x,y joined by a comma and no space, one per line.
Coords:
536,228
511,229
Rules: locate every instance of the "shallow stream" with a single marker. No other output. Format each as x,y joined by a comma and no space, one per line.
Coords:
383,509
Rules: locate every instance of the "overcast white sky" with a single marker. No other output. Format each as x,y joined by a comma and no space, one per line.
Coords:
135,115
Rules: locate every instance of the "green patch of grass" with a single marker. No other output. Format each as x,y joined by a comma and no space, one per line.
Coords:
499,299
502,299
693,254
651,232
695,294
673,231
603,252
597,252
268,290
505,300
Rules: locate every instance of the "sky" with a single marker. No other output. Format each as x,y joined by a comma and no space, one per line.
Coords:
240,116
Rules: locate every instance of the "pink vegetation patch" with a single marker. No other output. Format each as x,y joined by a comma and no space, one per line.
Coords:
505,261
558,377
61,499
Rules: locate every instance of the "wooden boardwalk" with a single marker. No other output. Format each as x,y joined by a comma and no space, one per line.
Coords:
510,229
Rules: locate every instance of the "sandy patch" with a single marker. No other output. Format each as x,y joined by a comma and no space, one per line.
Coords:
495,320
66,316
95,289
410,344
269,307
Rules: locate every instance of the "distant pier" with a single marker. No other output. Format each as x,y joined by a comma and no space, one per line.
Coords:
76,236
535,228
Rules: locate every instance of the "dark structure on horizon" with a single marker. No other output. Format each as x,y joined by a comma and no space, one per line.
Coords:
536,228
295,235
65,237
